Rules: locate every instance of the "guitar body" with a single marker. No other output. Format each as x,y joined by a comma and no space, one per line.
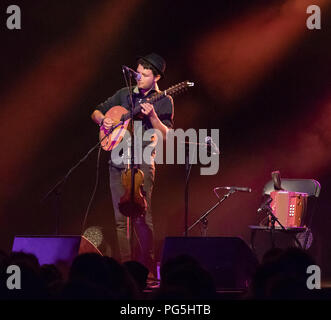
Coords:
110,142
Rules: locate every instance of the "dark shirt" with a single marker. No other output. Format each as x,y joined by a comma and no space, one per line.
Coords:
164,107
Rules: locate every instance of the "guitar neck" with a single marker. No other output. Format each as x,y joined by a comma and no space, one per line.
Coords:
157,96
137,109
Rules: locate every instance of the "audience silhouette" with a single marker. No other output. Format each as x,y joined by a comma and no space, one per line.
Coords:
282,275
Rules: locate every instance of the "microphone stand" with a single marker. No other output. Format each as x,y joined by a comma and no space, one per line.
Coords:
187,176
188,168
132,165
57,189
203,218
273,220
132,104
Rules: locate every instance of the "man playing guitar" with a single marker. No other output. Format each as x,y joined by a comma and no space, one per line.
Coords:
158,115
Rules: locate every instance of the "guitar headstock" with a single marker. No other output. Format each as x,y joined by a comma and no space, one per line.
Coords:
176,89
180,87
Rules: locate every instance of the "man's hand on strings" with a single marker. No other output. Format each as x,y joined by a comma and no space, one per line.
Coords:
148,110
107,123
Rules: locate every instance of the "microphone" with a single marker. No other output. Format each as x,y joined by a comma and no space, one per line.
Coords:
210,142
136,75
240,189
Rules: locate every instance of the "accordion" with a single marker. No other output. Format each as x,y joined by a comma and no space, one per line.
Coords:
289,207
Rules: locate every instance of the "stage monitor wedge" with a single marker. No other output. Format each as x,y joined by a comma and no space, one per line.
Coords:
54,249
229,260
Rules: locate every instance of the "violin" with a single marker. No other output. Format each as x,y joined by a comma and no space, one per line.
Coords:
133,203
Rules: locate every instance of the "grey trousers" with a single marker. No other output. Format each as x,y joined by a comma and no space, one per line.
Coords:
134,235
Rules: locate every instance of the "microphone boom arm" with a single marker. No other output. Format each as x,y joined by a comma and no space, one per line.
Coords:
205,215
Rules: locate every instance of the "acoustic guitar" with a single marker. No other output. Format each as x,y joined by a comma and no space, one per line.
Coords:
121,116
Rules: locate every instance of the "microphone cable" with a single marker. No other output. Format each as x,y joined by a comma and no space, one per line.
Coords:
94,191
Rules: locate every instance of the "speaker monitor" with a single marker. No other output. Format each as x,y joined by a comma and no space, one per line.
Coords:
58,250
229,260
